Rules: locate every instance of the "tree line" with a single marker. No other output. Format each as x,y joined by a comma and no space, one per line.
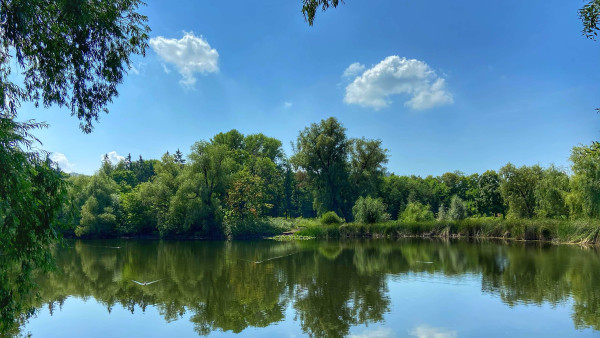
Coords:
230,184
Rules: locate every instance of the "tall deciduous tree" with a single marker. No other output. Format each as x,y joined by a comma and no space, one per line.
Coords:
245,202
367,166
489,200
584,198
457,184
551,192
162,189
322,151
100,211
518,189
394,192
259,145
211,165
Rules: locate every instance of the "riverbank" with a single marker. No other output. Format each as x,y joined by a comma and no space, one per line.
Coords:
583,231
562,231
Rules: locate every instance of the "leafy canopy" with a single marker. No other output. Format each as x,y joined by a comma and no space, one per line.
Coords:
310,7
72,53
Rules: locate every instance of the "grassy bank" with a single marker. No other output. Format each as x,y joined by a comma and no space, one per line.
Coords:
564,231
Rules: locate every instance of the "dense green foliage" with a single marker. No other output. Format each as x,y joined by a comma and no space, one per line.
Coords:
518,189
416,212
75,54
310,7
582,231
32,192
231,184
330,218
322,151
71,54
457,210
370,210
584,199
590,16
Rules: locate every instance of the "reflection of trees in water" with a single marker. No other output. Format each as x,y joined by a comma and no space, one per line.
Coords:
333,296
331,285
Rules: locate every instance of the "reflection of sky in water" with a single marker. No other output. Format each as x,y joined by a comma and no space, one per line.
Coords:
374,333
69,322
425,331
456,306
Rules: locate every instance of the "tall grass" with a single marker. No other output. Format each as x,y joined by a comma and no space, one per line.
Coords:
585,231
321,231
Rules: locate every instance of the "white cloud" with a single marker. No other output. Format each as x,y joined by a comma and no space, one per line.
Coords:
287,105
190,55
113,157
424,331
395,75
353,70
63,162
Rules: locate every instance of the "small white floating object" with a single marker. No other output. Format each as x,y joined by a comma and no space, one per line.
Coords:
145,283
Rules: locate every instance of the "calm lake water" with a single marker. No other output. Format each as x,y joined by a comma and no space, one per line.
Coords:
405,288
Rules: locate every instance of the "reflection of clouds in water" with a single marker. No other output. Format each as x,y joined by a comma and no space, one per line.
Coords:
377,333
424,331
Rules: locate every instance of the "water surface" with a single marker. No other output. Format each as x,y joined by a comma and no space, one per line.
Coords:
404,288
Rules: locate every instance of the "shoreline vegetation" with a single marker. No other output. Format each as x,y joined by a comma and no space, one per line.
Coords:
582,232
234,186
585,232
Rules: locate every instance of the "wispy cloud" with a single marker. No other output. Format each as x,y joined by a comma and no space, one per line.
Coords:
190,55
353,70
137,68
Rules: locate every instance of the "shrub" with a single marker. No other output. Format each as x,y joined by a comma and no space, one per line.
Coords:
330,218
370,210
442,214
320,231
458,210
417,212
253,227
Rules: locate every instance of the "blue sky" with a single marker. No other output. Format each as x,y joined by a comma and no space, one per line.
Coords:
446,85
